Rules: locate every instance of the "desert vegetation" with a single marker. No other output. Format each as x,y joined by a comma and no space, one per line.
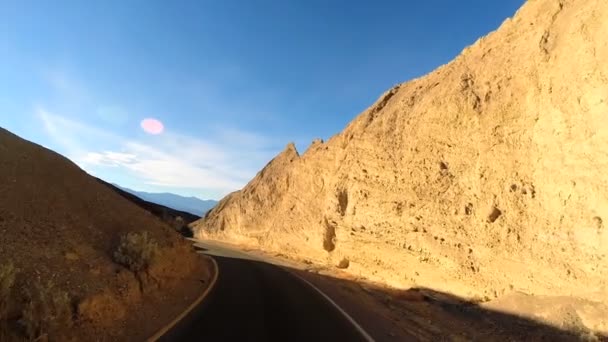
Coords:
180,225
46,316
136,251
176,222
48,312
77,236
7,279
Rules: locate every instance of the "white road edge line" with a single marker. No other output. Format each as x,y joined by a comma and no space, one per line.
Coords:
360,329
162,331
346,315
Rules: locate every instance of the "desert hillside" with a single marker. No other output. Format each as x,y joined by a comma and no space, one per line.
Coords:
484,178
60,230
177,219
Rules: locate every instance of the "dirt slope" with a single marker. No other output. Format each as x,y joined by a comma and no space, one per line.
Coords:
484,177
58,223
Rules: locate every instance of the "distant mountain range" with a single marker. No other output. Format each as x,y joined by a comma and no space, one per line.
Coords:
192,205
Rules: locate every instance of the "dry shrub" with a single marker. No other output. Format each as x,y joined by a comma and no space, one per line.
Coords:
136,251
7,279
180,225
48,315
103,308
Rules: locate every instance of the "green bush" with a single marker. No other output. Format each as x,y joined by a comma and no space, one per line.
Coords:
48,313
136,251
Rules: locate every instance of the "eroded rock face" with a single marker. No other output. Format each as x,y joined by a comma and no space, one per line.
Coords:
487,175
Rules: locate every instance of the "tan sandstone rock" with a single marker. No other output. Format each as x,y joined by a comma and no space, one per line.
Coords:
486,176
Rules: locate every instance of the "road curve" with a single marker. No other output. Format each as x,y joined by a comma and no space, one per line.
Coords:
256,301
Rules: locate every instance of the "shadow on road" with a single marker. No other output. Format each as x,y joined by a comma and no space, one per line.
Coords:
428,315
257,301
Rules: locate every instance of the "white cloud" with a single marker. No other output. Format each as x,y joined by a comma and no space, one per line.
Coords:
223,162
108,158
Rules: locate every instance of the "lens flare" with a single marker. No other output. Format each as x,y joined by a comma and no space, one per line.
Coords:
152,126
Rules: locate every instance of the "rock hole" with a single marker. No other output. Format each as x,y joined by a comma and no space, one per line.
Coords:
513,187
443,168
329,237
342,201
494,215
468,209
399,208
599,223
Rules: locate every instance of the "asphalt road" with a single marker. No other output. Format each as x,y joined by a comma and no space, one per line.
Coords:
257,301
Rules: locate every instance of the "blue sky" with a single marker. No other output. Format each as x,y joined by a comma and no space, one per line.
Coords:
232,81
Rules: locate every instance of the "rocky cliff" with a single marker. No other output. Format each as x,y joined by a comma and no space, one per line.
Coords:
487,175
